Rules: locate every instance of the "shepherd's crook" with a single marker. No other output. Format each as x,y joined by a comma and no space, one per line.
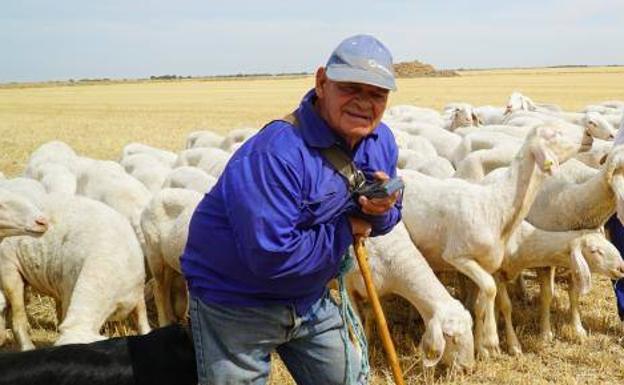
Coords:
382,326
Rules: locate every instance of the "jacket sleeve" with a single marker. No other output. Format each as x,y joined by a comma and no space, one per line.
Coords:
264,202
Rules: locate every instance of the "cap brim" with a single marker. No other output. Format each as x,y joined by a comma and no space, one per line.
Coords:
355,75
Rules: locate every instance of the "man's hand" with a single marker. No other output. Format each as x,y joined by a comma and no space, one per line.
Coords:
359,227
378,206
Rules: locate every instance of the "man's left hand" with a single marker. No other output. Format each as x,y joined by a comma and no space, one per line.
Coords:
378,206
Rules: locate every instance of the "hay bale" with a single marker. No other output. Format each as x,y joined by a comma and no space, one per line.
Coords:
416,69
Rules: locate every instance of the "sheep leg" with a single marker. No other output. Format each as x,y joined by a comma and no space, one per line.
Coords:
505,307
546,279
575,315
13,286
140,316
167,290
158,273
179,298
486,336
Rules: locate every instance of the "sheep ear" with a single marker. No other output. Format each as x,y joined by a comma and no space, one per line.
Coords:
581,276
432,344
476,119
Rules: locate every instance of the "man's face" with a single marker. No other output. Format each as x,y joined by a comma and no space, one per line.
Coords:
352,110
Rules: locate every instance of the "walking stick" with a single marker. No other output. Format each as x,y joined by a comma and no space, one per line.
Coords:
382,326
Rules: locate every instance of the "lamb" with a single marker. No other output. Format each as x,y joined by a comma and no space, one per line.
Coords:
163,357
581,197
165,224
489,114
191,178
204,138
27,188
517,101
409,113
55,178
462,117
416,143
107,182
468,225
165,157
580,251
19,216
89,261
399,268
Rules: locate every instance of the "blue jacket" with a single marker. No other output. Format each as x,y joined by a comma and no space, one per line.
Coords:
274,228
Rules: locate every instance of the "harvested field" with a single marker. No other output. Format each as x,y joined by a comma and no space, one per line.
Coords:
97,120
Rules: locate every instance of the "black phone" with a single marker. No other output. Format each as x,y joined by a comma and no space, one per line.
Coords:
380,189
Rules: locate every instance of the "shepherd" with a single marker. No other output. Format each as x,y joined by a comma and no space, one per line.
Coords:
266,240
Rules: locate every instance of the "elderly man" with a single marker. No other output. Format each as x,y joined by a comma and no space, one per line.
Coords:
265,241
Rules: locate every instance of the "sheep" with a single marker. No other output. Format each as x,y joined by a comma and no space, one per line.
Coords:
163,357
165,157
26,187
55,178
581,197
237,136
462,117
204,138
19,216
147,170
398,267
515,131
210,160
416,143
50,152
489,114
191,178
435,166
107,182
165,224
517,101
89,261
408,113
442,140
580,251
468,225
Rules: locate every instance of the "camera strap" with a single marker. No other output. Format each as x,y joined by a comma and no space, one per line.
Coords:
337,158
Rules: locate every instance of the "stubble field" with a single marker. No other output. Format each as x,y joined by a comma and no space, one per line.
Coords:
98,120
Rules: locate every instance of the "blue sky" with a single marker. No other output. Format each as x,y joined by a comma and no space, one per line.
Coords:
63,39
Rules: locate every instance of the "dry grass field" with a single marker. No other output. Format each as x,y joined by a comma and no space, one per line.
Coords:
97,120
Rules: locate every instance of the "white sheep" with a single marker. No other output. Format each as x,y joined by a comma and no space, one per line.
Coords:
581,251
55,177
468,225
166,157
435,166
147,170
50,152
580,197
203,138
444,142
27,188
422,146
107,182
397,267
409,113
191,178
165,224
19,216
462,117
210,160
89,261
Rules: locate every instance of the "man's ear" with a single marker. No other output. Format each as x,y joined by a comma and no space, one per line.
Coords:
321,80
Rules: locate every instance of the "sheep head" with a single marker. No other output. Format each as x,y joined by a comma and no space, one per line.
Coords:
448,338
601,255
598,127
463,117
550,147
20,217
518,102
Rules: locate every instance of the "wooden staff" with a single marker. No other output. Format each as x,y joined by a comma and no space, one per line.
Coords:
382,326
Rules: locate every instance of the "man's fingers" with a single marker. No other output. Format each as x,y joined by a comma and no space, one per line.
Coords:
380,175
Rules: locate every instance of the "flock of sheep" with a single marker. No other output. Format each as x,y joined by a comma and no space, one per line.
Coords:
490,192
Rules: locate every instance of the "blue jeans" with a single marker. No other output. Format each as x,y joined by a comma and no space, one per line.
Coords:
233,344
616,235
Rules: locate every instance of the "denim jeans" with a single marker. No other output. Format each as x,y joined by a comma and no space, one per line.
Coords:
233,344
616,235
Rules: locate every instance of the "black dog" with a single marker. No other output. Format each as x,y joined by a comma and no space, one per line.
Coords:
163,357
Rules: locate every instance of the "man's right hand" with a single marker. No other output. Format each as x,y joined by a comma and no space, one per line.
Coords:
359,227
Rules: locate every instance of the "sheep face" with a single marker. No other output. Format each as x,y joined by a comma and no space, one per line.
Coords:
20,217
598,127
449,339
601,256
463,117
518,102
